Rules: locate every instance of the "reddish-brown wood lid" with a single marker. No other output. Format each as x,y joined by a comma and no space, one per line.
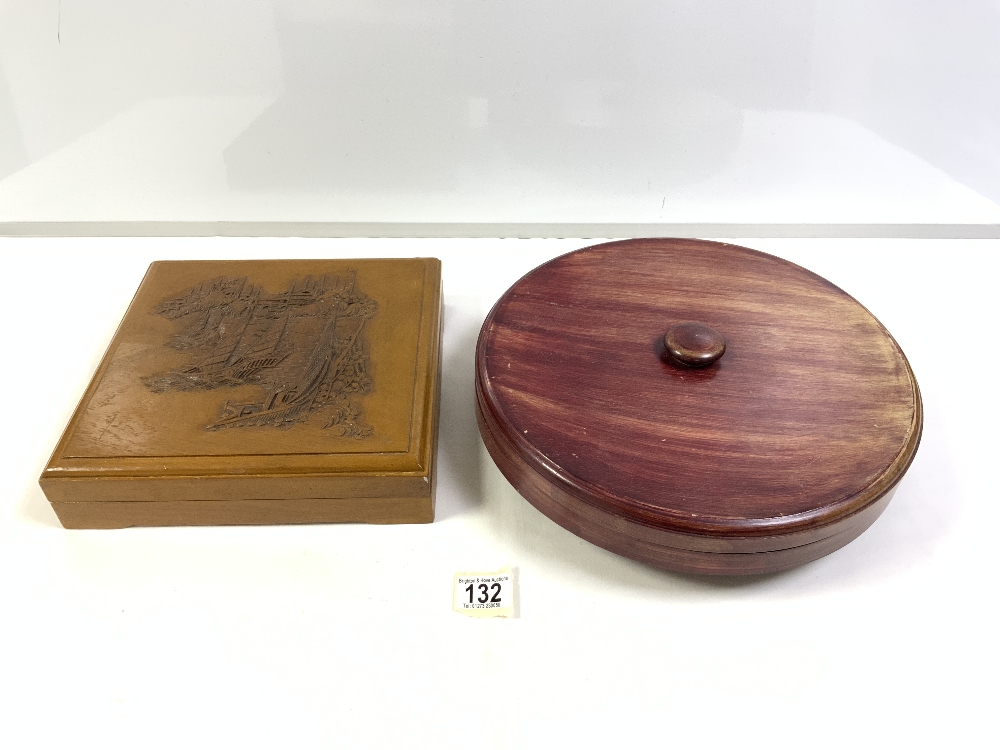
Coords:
810,415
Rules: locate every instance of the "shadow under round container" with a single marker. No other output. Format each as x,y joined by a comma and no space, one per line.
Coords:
697,406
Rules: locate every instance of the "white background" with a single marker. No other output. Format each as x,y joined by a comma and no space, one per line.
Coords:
343,636
494,112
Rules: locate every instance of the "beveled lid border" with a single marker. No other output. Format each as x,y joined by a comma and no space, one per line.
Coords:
416,460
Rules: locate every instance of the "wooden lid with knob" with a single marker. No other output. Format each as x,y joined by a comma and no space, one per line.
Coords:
698,406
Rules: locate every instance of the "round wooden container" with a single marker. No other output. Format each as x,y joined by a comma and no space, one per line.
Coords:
767,431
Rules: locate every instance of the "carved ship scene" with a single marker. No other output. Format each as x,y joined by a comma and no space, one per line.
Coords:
303,347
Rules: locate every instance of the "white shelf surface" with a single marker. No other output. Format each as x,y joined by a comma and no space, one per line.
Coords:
343,635
434,111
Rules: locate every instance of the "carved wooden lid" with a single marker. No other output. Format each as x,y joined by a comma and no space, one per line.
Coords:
808,415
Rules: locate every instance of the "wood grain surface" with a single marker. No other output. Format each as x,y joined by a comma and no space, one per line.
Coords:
269,391
790,441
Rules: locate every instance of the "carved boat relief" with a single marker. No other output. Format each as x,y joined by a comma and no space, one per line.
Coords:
304,348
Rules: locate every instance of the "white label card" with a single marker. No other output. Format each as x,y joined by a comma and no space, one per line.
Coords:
484,594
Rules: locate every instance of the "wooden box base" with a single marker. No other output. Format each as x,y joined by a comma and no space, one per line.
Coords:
118,515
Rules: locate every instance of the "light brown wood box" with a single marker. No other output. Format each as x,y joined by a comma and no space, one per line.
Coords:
261,392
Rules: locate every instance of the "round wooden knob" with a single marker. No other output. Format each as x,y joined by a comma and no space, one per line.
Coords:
694,344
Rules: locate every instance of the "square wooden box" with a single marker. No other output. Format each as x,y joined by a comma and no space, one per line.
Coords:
260,392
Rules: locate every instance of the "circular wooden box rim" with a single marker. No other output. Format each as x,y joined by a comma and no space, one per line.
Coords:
649,509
